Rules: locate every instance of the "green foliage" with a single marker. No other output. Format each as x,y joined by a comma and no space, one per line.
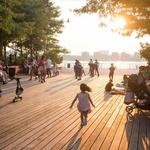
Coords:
136,12
53,54
31,26
145,52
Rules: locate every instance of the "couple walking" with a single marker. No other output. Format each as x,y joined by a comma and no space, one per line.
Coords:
93,68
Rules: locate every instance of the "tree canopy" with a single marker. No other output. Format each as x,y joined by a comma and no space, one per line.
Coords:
135,12
30,26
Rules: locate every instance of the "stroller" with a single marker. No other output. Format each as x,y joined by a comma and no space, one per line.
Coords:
137,95
19,90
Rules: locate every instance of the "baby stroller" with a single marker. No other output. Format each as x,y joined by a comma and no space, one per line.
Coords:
19,90
137,96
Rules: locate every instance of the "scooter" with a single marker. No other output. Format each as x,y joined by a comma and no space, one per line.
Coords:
19,90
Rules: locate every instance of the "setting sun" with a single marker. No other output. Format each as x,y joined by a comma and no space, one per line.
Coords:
117,23
120,22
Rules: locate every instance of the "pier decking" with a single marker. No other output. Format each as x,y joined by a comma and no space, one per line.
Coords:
43,120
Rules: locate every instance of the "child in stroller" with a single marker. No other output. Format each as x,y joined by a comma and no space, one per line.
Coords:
137,94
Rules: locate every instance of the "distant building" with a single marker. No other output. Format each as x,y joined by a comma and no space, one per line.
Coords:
71,57
104,56
101,55
115,56
125,57
136,57
85,55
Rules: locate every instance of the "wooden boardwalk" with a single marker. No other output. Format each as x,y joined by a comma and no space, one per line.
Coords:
43,120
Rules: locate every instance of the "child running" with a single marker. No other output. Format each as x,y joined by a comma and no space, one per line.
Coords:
84,101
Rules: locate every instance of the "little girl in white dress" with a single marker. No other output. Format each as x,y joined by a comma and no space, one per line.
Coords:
84,101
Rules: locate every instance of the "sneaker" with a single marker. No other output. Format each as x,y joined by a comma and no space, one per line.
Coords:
82,124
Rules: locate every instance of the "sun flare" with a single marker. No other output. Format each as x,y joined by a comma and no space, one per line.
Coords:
118,23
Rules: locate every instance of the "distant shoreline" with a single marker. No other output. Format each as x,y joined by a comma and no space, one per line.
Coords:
104,71
106,64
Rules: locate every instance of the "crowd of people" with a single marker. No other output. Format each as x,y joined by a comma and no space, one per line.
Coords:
40,68
43,67
93,69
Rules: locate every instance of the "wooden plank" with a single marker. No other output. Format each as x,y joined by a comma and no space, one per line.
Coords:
31,129
73,135
124,143
26,122
119,133
38,134
142,134
52,126
91,125
113,130
99,140
148,133
133,144
30,94
42,105
21,139
51,136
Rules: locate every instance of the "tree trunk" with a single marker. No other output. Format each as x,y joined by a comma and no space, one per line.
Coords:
1,45
5,59
21,51
31,53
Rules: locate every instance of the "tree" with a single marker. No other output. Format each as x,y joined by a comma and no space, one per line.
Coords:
13,26
46,27
30,26
145,52
136,13
6,24
55,53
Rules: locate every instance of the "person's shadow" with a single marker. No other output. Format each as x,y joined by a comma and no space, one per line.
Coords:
71,144
107,96
85,80
137,132
4,105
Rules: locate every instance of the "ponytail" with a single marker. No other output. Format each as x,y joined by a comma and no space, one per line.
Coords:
84,87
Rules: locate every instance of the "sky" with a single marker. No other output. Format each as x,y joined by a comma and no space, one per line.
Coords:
83,32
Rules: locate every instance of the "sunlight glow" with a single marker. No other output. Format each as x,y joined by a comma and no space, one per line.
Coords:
93,32
118,23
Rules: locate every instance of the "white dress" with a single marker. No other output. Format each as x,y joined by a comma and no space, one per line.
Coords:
83,102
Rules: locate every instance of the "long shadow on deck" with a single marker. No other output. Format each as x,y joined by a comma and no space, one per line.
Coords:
72,140
107,96
67,83
85,80
4,105
137,132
